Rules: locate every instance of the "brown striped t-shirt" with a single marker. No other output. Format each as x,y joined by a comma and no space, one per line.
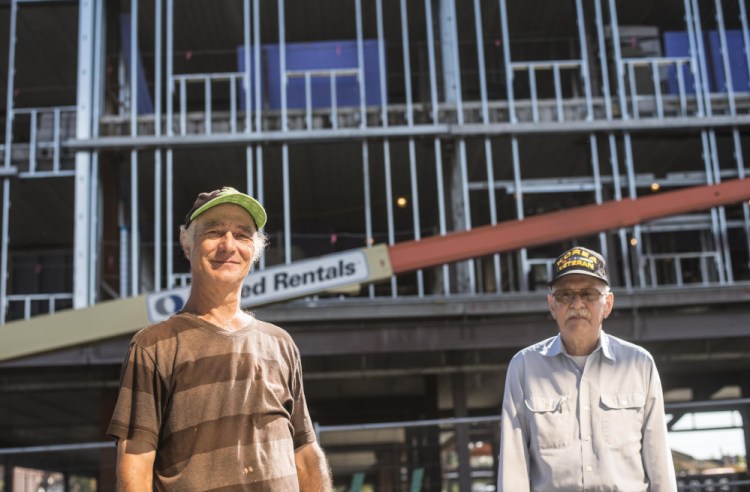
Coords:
224,410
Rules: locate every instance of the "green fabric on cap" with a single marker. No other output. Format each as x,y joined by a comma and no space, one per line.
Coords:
205,201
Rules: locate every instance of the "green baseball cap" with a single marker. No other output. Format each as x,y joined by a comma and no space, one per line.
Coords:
207,200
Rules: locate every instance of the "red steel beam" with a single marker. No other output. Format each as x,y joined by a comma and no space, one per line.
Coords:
558,226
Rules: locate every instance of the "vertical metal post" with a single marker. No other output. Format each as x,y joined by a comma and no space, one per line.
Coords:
157,153
630,166
84,102
694,65
725,58
509,74
33,141
534,99
657,89
436,141
285,146
558,92
692,17
615,30
95,233
460,181
412,152
56,140
246,58
489,163
617,187
702,61
233,104
594,147
169,198
207,105
360,65
520,214
134,202
282,65
604,66
386,141
5,239
721,211
256,67
259,188
584,61
363,124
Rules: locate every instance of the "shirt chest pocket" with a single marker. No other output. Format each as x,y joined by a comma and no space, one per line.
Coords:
549,420
622,418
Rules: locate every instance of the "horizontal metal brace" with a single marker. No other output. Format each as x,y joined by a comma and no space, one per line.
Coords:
447,131
9,171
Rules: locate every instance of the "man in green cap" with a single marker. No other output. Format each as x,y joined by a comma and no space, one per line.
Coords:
212,398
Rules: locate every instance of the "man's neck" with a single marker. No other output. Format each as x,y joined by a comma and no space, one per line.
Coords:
219,308
578,346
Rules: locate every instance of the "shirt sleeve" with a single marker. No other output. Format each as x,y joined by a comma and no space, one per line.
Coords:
513,473
304,433
656,453
138,411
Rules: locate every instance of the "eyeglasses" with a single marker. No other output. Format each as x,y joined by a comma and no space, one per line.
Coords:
566,296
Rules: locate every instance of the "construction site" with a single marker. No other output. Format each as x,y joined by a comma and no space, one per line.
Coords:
423,163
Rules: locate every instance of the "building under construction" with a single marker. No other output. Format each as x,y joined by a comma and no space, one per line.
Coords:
386,127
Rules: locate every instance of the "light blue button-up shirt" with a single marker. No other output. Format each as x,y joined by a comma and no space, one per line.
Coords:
596,428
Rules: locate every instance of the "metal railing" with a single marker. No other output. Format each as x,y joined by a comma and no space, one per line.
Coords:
37,140
44,303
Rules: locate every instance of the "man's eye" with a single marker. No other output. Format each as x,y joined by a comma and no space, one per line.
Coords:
564,296
590,294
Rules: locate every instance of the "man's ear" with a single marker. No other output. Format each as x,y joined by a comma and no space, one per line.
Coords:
551,304
185,242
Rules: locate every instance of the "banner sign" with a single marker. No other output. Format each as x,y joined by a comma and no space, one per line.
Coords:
278,283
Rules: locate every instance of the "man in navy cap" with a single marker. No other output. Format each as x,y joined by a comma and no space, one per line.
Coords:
583,410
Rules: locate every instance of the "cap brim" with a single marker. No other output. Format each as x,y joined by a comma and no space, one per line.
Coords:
580,272
253,207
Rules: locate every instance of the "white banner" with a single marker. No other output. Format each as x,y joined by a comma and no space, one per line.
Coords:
278,283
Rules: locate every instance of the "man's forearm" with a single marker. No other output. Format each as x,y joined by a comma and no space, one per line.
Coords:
313,473
135,467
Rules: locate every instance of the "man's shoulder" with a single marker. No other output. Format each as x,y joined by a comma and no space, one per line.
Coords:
629,350
538,349
163,330
274,331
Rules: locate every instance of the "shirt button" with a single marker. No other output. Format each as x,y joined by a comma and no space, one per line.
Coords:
587,438
588,468
586,409
624,402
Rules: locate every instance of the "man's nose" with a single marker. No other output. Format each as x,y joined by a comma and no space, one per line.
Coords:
227,241
577,299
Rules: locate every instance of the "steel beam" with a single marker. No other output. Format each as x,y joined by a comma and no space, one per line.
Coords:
558,226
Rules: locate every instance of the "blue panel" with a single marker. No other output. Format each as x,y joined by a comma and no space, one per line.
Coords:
241,65
677,44
322,56
737,61
145,105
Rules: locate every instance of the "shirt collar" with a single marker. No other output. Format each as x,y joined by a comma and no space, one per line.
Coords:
555,346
